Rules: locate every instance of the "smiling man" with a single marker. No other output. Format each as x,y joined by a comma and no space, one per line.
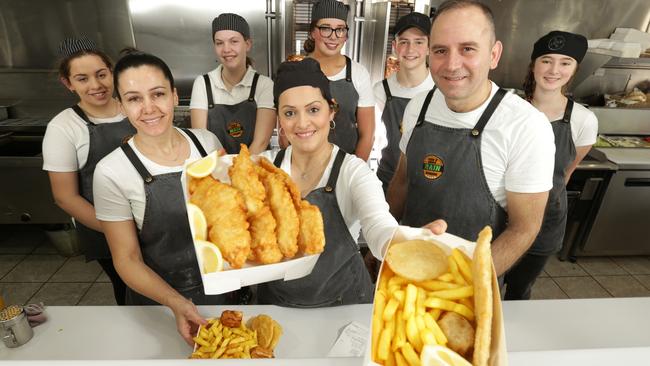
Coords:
471,153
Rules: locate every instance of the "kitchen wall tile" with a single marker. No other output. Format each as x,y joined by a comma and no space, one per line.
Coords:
76,269
556,268
546,288
61,294
581,287
35,268
8,262
99,294
17,293
600,266
622,286
634,265
103,277
644,280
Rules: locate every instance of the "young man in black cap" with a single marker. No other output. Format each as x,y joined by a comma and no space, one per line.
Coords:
554,62
473,154
411,46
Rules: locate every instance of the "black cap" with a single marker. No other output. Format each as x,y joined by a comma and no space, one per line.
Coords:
233,22
329,9
292,74
564,43
413,20
70,46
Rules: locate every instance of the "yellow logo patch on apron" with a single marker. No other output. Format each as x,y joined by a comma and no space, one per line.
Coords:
433,167
235,129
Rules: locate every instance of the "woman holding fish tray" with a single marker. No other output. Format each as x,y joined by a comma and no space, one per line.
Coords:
139,198
342,186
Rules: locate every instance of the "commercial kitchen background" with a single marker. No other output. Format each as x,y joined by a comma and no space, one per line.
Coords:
607,247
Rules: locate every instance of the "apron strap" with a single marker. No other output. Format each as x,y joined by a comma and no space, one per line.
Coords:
195,141
137,164
208,91
348,69
251,96
425,106
279,157
567,111
389,96
81,114
336,168
489,111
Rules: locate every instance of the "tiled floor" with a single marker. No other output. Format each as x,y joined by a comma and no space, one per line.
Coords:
31,270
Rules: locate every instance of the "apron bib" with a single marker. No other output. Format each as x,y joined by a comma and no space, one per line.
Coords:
392,117
345,134
339,276
445,177
551,234
232,124
102,139
168,251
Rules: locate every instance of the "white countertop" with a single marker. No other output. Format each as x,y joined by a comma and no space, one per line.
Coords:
557,332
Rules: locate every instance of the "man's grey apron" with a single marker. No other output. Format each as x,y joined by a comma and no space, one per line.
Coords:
550,237
103,138
392,117
165,239
345,135
445,176
339,276
233,124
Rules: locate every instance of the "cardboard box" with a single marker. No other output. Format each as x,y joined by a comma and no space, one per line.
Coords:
233,279
447,242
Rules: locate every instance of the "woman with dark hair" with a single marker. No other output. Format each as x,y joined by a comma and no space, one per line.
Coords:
234,101
346,191
353,127
78,137
554,62
138,194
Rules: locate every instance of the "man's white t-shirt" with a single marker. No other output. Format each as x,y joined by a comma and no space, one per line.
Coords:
360,199
239,93
66,141
361,82
584,125
397,90
118,188
517,144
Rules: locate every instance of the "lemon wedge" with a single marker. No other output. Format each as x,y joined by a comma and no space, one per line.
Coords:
203,167
210,259
435,355
198,223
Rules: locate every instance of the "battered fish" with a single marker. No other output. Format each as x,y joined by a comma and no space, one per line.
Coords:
291,186
311,239
225,212
244,177
285,214
264,245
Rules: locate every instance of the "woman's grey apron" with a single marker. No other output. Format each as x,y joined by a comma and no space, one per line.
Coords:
233,124
550,237
392,117
345,135
446,179
165,239
339,276
103,138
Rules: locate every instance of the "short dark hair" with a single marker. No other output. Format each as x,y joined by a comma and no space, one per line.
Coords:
134,58
460,4
64,64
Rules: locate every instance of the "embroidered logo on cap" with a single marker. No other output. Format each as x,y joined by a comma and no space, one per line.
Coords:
235,129
556,43
433,167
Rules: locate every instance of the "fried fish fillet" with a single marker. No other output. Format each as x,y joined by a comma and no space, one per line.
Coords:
285,214
244,177
225,212
291,186
311,239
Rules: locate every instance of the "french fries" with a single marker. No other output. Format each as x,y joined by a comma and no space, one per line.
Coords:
218,340
406,312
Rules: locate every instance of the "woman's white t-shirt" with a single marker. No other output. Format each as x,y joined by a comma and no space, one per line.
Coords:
239,93
66,141
118,188
360,199
361,82
584,125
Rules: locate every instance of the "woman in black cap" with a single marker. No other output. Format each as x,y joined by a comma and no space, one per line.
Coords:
411,46
554,62
354,126
78,137
138,195
347,192
233,101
